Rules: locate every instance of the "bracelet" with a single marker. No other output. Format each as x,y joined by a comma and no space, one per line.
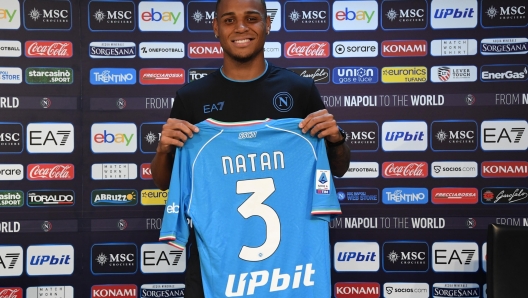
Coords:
339,143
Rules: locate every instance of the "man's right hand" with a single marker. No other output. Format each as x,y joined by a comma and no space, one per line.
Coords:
174,133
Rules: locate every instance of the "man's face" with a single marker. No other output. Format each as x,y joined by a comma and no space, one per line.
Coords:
241,26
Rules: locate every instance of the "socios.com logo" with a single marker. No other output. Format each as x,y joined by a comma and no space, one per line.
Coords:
114,138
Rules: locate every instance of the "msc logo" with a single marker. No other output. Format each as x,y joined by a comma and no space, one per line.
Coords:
312,16
454,47
405,195
355,15
11,260
114,258
114,197
361,135
355,75
162,258
156,50
510,13
402,15
453,74
405,256
10,14
504,135
356,256
150,136
200,16
160,16
454,135
504,46
50,138
455,257
50,260
11,137
44,15
114,137
504,73
111,16
404,136
114,171
112,49
451,14
409,74
112,76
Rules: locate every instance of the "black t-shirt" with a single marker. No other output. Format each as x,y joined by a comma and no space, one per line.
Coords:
278,93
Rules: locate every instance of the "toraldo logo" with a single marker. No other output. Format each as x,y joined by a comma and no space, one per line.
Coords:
454,195
111,15
405,169
357,290
48,49
403,15
205,50
200,16
452,14
312,16
504,13
50,260
161,16
47,15
504,135
50,138
161,76
404,136
356,256
10,14
50,171
307,49
404,48
455,257
48,198
121,291
355,15
51,291
504,169
114,137
454,47
11,292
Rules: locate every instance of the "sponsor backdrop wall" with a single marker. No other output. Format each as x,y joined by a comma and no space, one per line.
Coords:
432,95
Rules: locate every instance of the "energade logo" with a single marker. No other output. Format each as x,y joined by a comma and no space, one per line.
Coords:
302,16
405,256
111,16
47,15
454,136
401,15
504,13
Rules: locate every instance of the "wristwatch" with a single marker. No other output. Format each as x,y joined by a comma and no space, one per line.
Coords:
339,143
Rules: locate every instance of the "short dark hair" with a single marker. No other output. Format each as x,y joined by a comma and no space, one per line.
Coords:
261,1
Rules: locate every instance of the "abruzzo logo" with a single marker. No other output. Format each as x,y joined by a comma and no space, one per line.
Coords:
49,75
9,14
114,137
114,197
161,16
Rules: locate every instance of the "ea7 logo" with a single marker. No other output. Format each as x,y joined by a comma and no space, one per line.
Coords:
162,258
11,260
455,257
504,135
50,138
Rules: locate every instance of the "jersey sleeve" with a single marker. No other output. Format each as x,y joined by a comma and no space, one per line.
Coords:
174,227
324,203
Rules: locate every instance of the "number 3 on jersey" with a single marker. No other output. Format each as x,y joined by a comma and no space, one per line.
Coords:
261,189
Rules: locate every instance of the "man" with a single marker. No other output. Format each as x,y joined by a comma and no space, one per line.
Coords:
245,88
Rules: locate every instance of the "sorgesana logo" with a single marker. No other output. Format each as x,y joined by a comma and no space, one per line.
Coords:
355,75
112,49
504,73
504,46
469,290
112,76
162,290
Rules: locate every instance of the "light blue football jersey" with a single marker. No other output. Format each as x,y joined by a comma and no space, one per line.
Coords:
260,195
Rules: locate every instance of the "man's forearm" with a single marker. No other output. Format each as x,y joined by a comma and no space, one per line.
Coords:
161,168
339,159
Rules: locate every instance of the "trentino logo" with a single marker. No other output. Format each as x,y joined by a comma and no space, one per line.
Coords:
453,74
503,13
160,16
11,137
454,47
50,260
361,135
162,258
114,137
355,75
504,135
47,15
355,15
405,256
10,14
454,135
405,195
403,15
504,46
50,137
113,76
455,257
504,73
12,259
200,16
111,15
302,16
112,49
454,14
114,258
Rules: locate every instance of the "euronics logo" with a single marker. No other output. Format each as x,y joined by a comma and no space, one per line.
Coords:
49,75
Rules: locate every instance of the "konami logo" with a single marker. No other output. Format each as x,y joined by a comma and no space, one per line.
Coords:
454,195
357,290
50,171
205,50
145,171
48,49
11,292
504,169
403,48
161,76
307,49
122,291
405,169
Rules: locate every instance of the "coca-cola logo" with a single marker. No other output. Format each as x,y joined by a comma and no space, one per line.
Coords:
10,292
50,171
405,169
45,49
307,49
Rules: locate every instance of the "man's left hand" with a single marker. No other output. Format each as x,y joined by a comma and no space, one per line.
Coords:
322,124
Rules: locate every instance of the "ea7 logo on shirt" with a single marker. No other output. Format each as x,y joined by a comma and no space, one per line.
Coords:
50,138
200,16
504,13
402,15
312,16
114,137
504,135
114,258
357,289
455,257
162,258
11,260
50,260
10,14
111,16
47,15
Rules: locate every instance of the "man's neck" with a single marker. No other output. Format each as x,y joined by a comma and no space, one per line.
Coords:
245,71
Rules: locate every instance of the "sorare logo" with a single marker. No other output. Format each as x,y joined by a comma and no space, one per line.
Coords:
454,14
47,15
405,256
404,15
504,13
355,15
111,15
306,16
451,135
346,49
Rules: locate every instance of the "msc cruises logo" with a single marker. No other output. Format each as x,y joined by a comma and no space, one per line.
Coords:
402,15
504,13
200,16
47,15
111,16
300,16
